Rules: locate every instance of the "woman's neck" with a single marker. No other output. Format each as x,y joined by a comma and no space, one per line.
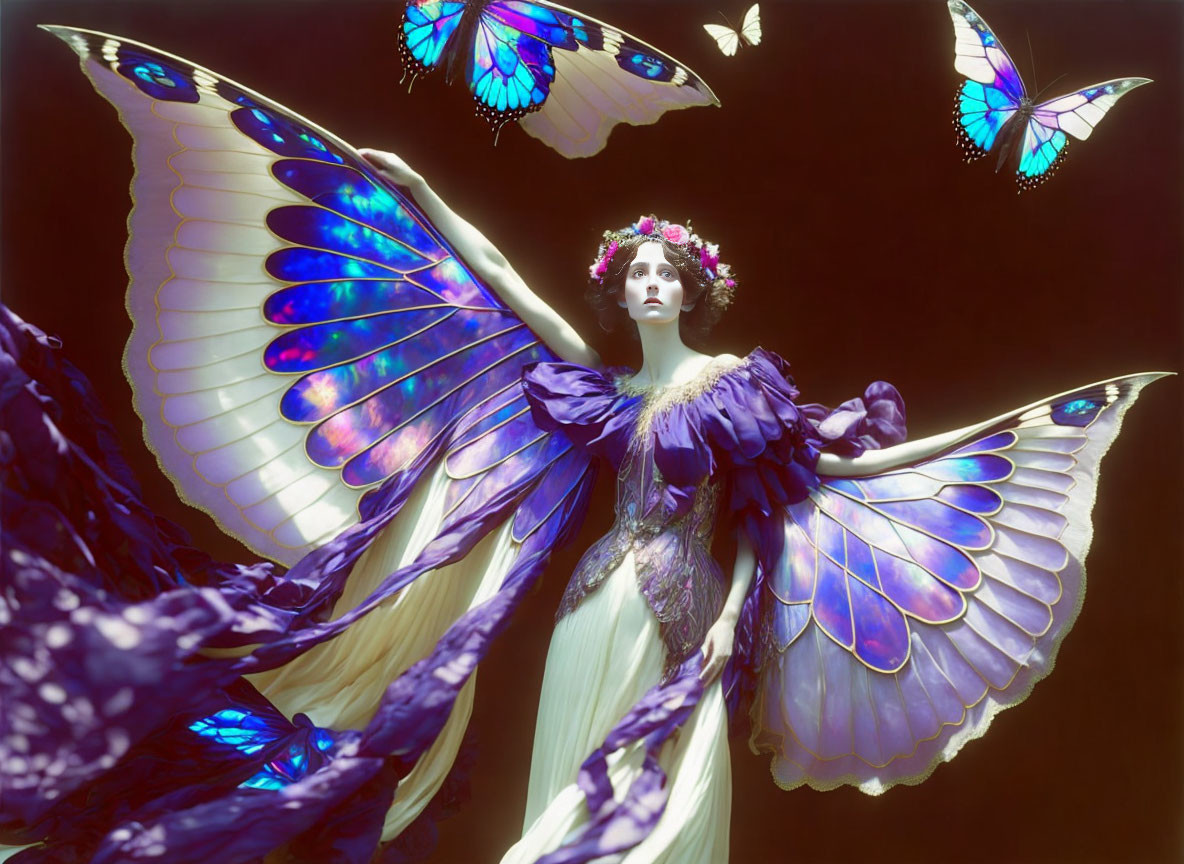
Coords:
663,353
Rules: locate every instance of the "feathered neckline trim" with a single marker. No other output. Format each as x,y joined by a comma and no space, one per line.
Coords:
657,399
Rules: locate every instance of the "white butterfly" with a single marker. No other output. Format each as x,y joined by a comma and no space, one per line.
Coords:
728,39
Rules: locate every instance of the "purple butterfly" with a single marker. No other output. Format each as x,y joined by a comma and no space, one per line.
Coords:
993,106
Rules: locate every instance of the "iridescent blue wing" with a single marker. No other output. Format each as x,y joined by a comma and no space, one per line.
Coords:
565,76
282,752
427,29
991,95
907,608
1044,143
302,334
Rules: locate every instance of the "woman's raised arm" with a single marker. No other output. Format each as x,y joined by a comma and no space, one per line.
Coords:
488,263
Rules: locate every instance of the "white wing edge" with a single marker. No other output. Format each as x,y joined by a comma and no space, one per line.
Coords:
793,764
902,455
307,525
589,97
726,39
751,28
1076,114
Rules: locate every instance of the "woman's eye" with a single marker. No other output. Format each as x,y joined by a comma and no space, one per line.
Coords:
667,274
638,273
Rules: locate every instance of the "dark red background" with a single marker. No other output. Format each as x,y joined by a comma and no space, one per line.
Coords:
866,250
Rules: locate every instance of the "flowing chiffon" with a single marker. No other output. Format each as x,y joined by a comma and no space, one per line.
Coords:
603,657
339,683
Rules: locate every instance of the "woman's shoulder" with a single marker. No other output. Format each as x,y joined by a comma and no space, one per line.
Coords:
760,367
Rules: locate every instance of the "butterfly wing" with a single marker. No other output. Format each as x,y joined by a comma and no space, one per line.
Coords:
750,29
568,79
991,95
1077,114
909,607
428,28
306,346
302,333
727,39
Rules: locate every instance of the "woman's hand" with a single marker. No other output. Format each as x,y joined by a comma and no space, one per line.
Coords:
392,168
717,647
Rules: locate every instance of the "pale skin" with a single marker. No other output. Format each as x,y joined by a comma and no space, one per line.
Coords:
666,359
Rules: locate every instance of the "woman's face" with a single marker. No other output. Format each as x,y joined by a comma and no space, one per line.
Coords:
653,290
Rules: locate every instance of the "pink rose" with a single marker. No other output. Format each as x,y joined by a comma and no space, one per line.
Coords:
676,234
645,225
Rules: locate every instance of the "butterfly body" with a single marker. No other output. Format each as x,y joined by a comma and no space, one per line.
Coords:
1011,132
519,57
992,108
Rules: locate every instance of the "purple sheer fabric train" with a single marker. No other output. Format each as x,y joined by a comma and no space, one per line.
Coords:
106,610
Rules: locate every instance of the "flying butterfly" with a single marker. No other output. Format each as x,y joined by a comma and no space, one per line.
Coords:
728,38
993,109
565,77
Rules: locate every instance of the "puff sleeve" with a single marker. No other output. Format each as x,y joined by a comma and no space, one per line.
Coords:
876,420
745,425
771,444
583,403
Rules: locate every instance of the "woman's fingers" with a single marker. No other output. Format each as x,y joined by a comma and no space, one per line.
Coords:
388,164
708,658
374,157
713,663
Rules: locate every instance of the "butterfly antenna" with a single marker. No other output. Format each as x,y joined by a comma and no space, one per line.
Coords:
410,83
1036,98
1032,58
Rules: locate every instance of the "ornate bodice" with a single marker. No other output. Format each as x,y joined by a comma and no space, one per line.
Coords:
681,582
730,439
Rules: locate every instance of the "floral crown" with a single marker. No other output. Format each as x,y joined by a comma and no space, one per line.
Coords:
717,275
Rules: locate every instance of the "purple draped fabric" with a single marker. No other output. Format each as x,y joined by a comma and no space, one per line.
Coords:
584,404
746,428
876,420
746,423
105,610
618,825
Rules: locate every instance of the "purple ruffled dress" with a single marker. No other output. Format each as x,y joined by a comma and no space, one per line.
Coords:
729,444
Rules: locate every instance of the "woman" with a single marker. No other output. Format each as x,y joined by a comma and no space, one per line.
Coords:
647,595
889,616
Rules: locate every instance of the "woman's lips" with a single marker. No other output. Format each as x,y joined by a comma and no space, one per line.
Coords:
653,300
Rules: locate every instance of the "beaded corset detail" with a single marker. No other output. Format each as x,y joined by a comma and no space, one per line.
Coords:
680,580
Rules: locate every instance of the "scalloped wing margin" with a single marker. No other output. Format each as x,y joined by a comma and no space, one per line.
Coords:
567,78
908,608
301,333
609,78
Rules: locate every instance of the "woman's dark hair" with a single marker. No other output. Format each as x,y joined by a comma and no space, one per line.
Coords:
709,299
